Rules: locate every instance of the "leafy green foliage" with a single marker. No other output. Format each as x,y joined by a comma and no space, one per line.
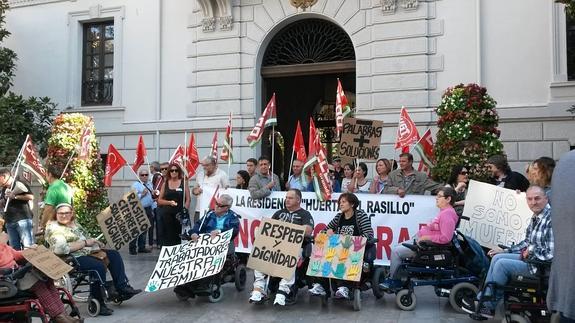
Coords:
86,176
468,132
569,7
19,116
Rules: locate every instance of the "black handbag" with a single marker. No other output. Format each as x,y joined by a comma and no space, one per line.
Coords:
184,217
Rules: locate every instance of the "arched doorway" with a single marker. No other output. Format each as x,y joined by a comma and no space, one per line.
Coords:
301,65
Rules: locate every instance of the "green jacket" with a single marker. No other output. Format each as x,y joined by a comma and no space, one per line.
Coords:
420,184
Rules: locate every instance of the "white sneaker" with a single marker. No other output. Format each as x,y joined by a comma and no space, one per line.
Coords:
342,292
256,296
280,300
317,290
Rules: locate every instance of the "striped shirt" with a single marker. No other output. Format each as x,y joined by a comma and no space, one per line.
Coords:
538,238
362,221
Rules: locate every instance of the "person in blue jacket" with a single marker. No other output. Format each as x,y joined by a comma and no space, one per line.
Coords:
218,220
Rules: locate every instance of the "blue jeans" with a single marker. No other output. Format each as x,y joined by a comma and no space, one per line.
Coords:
20,233
116,268
503,266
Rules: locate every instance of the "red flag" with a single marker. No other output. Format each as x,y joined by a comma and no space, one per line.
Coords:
214,197
311,148
140,155
85,142
178,156
322,181
114,163
342,108
298,144
425,149
407,133
193,161
268,118
31,161
227,150
214,151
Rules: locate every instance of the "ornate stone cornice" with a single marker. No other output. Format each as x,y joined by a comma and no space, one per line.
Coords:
302,4
214,11
389,6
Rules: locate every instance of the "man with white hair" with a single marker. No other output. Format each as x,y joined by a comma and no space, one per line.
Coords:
212,177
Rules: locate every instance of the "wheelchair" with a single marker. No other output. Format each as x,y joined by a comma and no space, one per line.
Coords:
370,277
454,270
78,283
524,296
23,306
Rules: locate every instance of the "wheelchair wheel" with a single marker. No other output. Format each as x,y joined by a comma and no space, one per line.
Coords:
93,307
357,299
377,277
217,294
405,300
515,318
459,292
240,277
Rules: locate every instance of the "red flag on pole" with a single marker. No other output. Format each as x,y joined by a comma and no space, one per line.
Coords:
267,119
214,151
425,149
407,133
213,200
85,142
193,161
299,145
140,155
178,156
342,108
311,148
114,163
227,149
31,161
322,181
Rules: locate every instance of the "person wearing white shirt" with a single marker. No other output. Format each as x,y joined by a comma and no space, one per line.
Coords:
212,177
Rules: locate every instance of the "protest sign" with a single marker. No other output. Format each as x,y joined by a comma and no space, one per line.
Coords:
496,215
360,139
47,262
393,219
277,248
123,221
337,256
190,261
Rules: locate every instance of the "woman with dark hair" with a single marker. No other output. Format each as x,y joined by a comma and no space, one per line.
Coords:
349,221
348,170
439,231
360,183
242,180
458,180
382,168
171,201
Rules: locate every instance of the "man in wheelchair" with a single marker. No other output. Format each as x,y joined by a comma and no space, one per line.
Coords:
218,220
44,290
537,246
292,213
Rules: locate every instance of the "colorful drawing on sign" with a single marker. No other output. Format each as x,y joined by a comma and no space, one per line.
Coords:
343,258
190,261
277,248
123,221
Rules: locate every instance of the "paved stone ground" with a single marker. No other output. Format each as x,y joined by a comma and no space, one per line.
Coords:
162,306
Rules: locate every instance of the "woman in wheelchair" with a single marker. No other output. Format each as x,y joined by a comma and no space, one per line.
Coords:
65,236
351,221
47,294
439,231
218,220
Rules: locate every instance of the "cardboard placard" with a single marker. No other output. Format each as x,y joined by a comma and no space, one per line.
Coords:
47,262
337,256
360,139
496,215
123,221
277,248
190,261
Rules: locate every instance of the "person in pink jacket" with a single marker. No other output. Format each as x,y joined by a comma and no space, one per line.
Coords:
440,231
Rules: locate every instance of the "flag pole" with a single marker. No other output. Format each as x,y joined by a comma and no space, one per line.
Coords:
19,155
273,149
184,160
291,162
12,185
68,163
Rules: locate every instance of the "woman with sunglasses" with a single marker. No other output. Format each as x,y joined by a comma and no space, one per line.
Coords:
458,180
171,201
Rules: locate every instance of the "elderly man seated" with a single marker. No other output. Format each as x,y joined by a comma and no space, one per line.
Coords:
538,245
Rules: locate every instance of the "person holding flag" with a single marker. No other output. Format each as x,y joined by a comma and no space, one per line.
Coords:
211,177
406,180
18,216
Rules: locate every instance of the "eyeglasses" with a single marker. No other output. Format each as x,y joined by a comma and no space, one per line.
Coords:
173,170
165,168
438,196
64,213
143,174
222,205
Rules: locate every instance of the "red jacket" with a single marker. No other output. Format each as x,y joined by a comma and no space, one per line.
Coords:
9,256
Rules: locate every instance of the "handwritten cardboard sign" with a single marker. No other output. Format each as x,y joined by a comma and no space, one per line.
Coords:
124,220
277,248
190,261
337,256
360,139
497,215
47,262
